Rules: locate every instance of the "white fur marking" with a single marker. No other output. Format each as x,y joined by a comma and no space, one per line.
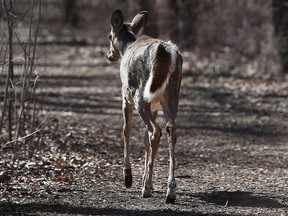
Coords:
148,96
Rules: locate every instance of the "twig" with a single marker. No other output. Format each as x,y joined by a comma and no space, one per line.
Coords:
5,93
33,58
226,204
28,135
10,68
25,87
35,132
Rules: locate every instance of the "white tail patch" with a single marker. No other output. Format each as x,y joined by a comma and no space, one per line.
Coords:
172,49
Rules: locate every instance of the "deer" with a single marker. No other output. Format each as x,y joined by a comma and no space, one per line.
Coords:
150,72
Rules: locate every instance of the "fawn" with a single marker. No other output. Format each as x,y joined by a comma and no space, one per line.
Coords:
150,71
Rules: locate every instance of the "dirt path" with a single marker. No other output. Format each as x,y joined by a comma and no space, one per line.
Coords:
232,156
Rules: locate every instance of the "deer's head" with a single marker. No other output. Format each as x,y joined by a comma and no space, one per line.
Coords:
123,33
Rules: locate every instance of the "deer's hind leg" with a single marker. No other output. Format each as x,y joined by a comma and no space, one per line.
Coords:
147,147
127,116
152,144
170,110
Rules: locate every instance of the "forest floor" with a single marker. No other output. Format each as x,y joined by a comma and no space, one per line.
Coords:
231,151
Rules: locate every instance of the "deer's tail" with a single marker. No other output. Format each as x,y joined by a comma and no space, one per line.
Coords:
164,63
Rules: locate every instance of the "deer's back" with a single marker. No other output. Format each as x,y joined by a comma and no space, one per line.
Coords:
138,61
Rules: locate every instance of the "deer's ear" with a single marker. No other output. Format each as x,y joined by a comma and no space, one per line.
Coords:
139,22
117,20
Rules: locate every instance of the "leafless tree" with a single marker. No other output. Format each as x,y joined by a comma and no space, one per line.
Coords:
71,12
280,20
18,114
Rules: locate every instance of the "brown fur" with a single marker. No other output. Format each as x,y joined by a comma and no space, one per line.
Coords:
161,67
146,66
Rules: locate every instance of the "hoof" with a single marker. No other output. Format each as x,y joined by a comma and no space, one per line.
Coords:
146,193
128,177
170,199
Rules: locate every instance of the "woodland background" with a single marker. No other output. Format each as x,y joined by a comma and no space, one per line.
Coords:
60,108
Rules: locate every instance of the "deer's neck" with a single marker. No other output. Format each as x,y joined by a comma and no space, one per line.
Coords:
127,42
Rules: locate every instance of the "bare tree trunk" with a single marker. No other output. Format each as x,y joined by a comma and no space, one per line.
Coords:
178,19
167,21
152,28
187,14
280,20
70,12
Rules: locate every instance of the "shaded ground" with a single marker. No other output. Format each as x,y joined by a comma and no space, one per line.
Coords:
231,150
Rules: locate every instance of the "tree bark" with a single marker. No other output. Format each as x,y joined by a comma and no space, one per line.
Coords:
280,21
70,12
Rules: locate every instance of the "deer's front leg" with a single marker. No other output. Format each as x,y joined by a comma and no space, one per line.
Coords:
127,115
147,151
